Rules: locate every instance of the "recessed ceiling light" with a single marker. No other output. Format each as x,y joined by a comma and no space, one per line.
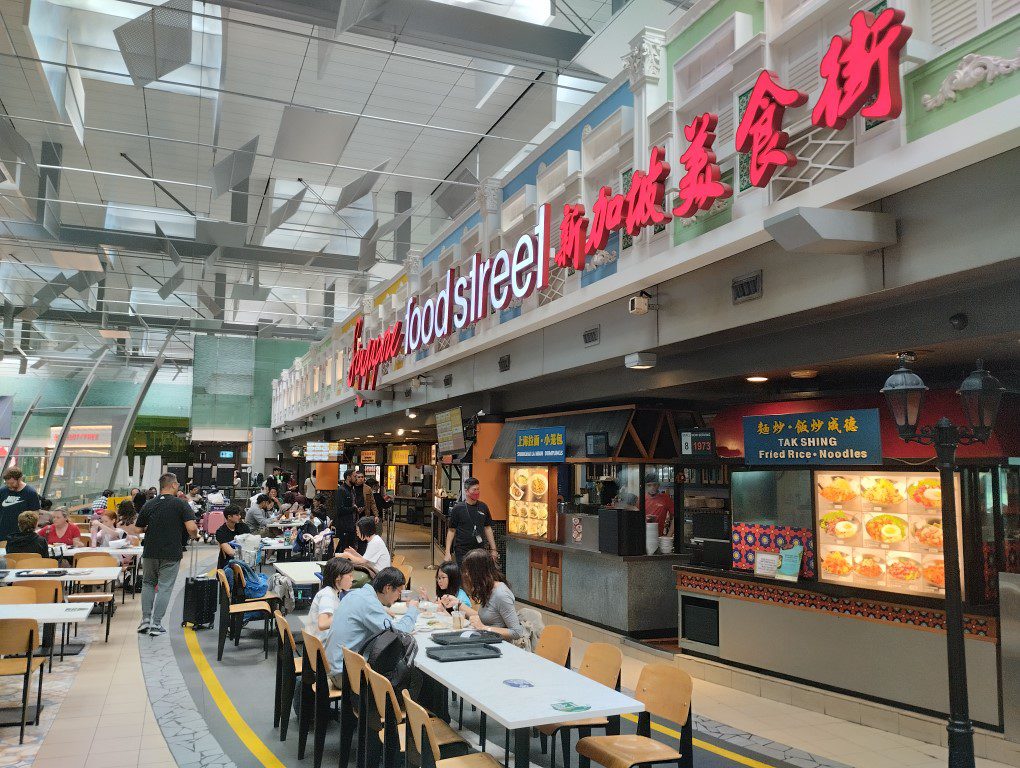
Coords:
757,379
366,436
416,430
400,431
387,433
805,373
640,361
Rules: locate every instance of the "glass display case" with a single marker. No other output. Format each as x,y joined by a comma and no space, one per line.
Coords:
532,502
882,530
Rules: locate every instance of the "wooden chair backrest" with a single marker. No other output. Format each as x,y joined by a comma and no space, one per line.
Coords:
666,691
19,559
420,725
354,667
18,635
15,595
222,576
602,663
407,570
286,636
554,644
382,689
398,560
239,581
46,590
95,560
314,652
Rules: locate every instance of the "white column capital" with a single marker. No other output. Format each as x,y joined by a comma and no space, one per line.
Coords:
488,195
644,60
413,264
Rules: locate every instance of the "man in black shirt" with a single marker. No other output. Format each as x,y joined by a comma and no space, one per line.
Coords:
165,520
232,528
345,513
470,525
16,496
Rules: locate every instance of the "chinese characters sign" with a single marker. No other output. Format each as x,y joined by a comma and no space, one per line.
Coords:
828,437
542,445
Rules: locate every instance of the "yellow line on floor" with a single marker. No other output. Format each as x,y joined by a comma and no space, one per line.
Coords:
748,761
244,732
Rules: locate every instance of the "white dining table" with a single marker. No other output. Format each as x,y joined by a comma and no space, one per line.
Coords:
47,613
301,573
70,575
122,551
521,690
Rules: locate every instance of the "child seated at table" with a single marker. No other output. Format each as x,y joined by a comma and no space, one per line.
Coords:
448,582
26,540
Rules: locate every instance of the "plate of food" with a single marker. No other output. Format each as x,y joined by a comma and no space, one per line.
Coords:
903,569
516,492
869,566
838,489
934,572
928,533
521,477
539,485
882,491
839,524
838,562
886,529
926,491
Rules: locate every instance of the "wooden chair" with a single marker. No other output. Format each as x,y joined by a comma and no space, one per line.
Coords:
104,598
407,570
398,560
426,741
318,695
666,691
239,586
353,707
21,636
48,591
389,716
553,645
21,560
288,670
602,663
15,595
232,614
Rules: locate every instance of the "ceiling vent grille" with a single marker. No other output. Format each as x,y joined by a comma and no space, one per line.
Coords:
504,363
592,336
747,287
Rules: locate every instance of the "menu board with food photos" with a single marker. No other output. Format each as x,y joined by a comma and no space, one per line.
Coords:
529,504
882,530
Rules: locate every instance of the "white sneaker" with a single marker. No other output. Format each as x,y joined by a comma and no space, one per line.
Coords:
143,627
156,631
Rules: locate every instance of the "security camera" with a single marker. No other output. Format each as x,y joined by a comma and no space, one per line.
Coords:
481,413
640,304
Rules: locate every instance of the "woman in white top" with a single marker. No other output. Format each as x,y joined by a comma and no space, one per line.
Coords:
337,579
376,555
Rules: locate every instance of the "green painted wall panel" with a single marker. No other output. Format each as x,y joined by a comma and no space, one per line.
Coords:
701,29
1002,40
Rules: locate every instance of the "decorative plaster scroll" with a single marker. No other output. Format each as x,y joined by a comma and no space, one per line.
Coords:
644,60
488,196
974,69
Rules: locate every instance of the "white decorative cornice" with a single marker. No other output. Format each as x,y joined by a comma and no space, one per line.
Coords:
644,60
973,69
488,196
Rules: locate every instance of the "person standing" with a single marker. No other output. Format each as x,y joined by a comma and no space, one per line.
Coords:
658,503
165,521
16,497
310,486
470,525
345,513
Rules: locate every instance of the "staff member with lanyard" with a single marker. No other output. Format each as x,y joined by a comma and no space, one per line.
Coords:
470,525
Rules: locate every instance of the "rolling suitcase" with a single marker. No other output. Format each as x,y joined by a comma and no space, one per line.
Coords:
200,598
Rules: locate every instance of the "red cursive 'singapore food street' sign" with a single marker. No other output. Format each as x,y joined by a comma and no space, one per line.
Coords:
366,359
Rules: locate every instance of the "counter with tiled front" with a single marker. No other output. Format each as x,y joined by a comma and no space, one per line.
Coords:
873,649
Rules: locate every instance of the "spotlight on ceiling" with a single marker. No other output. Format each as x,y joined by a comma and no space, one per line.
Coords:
296,452
640,361
757,379
400,431
411,413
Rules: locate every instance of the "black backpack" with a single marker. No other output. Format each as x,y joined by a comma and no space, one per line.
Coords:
391,653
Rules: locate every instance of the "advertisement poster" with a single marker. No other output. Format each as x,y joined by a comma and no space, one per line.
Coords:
813,439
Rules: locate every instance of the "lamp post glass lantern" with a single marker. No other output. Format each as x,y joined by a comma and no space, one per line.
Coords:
980,395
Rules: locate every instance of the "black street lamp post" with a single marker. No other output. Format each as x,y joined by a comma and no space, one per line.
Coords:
980,394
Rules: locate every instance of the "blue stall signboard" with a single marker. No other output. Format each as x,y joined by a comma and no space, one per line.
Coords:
542,445
827,437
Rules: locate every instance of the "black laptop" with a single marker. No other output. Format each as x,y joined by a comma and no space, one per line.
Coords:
463,653
466,637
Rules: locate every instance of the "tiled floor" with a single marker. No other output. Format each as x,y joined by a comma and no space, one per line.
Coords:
106,720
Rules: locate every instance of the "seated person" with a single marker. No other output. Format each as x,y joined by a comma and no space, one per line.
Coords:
105,530
26,540
448,582
126,517
290,507
45,511
60,530
362,615
259,513
487,587
232,528
376,555
337,580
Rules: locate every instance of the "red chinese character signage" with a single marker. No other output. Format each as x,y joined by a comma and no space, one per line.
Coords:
700,186
366,360
863,68
640,207
761,128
